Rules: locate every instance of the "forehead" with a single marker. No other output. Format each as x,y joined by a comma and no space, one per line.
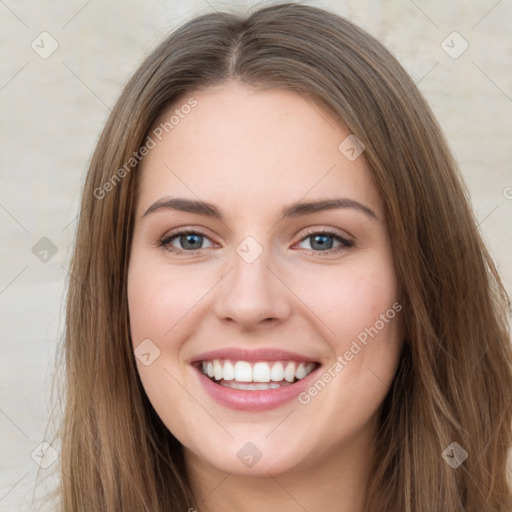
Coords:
238,144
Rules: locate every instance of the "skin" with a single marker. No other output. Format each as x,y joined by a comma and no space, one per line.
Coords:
250,153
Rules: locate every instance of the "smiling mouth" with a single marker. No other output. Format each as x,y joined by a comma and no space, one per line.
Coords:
255,376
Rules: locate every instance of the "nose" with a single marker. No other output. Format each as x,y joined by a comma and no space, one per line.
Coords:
252,294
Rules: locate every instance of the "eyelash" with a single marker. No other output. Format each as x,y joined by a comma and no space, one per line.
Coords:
345,244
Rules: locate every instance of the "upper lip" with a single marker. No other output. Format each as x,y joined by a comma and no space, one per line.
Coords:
254,355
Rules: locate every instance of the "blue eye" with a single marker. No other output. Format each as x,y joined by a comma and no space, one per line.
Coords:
324,242
191,241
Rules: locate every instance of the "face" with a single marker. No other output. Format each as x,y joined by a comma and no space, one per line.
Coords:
266,333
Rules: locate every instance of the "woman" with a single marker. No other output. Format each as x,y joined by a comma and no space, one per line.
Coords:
215,362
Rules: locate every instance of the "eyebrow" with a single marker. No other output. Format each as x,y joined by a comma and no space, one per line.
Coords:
297,209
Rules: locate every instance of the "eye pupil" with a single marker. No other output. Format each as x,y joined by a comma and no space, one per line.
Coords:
184,240
322,245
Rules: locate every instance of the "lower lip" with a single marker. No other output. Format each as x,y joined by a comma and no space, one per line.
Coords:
258,400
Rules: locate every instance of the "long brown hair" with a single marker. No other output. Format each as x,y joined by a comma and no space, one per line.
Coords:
454,379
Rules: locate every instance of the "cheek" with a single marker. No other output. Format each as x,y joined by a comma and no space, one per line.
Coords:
161,299
359,309
350,299
160,302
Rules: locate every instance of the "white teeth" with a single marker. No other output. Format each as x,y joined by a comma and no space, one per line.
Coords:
217,368
261,372
229,371
289,372
282,372
252,387
300,373
277,372
243,371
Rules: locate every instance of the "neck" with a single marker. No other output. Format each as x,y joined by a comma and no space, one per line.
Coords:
336,481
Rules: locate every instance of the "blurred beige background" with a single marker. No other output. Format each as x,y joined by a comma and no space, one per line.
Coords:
53,106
